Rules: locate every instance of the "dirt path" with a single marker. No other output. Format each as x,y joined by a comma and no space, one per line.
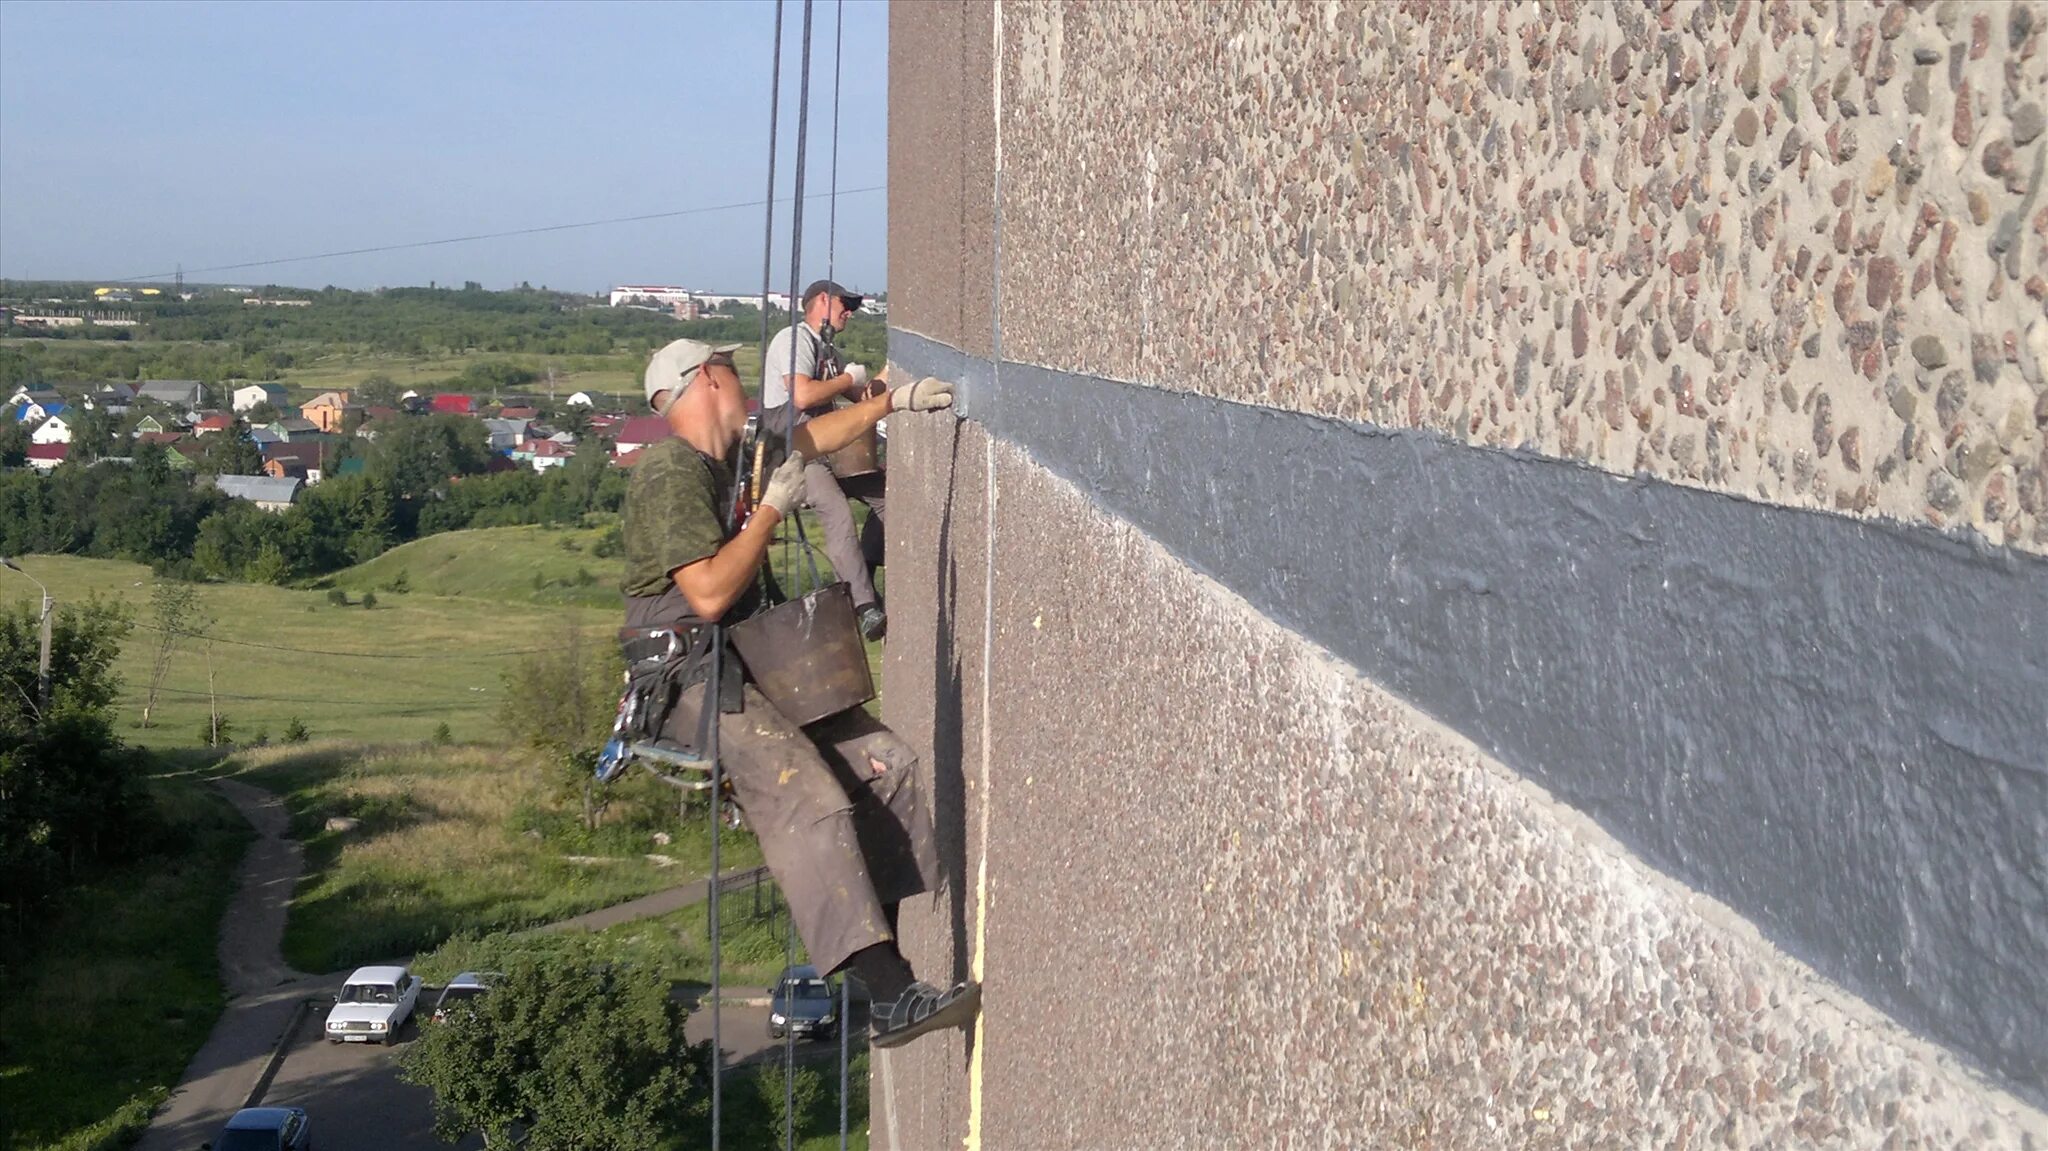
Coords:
264,993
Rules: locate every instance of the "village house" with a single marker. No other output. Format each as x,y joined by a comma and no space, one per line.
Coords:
250,395
44,457
36,411
300,460
639,432
545,454
182,395
452,404
328,410
114,398
51,431
505,434
208,423
270,493
580,400
294,428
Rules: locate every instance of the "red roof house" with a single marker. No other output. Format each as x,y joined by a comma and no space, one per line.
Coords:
640,432
213,422
455,404
43,457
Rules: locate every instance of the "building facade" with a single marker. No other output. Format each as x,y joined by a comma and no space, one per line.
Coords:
1491,587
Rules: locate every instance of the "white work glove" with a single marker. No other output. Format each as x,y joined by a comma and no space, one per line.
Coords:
926,395
785,485
859,372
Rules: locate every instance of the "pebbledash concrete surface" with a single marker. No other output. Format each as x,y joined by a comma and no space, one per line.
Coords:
1490,591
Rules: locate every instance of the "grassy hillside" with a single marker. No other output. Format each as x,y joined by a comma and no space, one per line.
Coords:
121,987
459,839
394,672
543,566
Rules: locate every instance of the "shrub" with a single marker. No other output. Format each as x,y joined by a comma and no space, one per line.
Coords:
611,543
337,597
295,731
369,599
443,736
399,584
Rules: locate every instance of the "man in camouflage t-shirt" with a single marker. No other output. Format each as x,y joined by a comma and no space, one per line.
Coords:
836,806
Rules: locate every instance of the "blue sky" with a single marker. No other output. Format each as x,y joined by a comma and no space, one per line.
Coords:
135,137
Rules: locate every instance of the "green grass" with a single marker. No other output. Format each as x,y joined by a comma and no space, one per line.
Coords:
390,673
99,1020
458,840
541,566
615,377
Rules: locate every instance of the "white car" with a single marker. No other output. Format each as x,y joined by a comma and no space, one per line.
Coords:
373,1005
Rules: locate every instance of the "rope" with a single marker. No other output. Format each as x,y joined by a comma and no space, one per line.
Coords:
796,253
831,273
832,205
713,696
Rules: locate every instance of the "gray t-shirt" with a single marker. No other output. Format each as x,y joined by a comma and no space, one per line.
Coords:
775,369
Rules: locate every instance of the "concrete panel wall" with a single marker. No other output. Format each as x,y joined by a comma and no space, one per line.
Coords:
1310,768
1796,250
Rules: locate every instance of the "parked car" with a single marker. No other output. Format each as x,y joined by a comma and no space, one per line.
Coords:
466,986
803,1002
265,1129
373,1005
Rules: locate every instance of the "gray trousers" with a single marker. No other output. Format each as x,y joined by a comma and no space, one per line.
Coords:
842,838
826,496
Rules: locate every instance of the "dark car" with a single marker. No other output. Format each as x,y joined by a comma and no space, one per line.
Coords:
265,1129
803,1002
464,988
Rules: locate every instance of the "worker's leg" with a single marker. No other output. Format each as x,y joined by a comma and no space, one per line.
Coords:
878,771
805,822
835,519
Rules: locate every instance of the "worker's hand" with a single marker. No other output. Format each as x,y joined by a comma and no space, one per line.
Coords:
926,395
859,372
785,485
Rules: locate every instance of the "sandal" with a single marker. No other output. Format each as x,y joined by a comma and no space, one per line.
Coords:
923,1008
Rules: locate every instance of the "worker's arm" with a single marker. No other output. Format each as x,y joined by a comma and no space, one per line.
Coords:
825,434
714,583
812,393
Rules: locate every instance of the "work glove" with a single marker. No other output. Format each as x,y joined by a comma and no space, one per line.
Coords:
859,372
926,395
785,485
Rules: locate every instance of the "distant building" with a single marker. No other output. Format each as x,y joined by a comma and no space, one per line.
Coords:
264,301
453,404
505,434
250,395
183,395
643,431
51,431
44,457
306,461
271,493
36,411
328,410
208,423
580,400
545,454
294,428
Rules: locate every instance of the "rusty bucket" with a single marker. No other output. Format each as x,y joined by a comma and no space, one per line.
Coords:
806,655
861,457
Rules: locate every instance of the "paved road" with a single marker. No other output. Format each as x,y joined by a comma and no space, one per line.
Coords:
265,992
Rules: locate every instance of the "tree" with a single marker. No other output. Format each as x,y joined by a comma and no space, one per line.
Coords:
68,792
574,1051
560,700
173,614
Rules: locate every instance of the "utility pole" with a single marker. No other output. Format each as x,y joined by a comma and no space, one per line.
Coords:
43,661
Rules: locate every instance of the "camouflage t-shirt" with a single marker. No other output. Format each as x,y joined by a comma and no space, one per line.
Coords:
672,515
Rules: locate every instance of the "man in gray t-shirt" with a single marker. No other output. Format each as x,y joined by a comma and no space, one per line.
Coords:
826,305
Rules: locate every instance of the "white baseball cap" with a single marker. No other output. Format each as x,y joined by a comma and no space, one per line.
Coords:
671,368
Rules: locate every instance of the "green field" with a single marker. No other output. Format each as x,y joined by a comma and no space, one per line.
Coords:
615,377
389,673
123,986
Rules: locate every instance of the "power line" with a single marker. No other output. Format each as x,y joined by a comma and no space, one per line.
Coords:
479,236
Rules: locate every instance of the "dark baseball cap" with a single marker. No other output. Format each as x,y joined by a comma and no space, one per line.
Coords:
852,300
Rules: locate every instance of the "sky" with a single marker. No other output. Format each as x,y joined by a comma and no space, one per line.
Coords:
135,137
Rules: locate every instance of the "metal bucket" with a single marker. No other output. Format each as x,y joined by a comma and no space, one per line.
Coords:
806,655
861,457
